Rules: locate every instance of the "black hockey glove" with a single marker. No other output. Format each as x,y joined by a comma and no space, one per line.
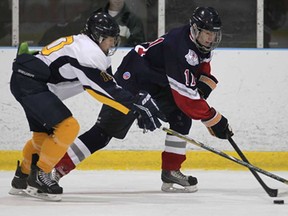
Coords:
218,126
206,84
147,112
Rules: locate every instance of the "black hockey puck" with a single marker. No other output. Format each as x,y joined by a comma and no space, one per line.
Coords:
278,201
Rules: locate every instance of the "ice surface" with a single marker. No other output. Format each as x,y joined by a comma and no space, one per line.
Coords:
138,193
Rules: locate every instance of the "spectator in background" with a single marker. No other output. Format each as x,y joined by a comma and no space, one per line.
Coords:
131,27
275,15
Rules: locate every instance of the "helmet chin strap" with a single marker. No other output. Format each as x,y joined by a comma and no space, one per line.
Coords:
202,48
101,39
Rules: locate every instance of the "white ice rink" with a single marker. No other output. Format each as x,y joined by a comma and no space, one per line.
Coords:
137,193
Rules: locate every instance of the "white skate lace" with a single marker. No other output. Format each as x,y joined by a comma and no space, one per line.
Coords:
45,178
178,174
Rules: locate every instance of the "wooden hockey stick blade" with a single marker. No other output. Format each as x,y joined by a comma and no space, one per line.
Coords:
222,154
270,191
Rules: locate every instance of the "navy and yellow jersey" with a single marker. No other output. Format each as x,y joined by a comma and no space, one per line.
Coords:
178,60
76,63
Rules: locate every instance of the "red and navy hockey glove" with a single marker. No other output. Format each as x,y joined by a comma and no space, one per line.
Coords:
218,126
206,84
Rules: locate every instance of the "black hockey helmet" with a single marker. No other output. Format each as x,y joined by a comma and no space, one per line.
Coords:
101,25
206,18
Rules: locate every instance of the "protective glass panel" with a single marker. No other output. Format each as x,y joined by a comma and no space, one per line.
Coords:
276,23
238,18
147,12
5,22
43,21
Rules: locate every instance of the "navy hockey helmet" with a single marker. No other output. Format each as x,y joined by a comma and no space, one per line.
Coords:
206,18
101,25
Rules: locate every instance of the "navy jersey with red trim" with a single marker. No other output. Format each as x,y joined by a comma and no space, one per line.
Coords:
177,58
77,61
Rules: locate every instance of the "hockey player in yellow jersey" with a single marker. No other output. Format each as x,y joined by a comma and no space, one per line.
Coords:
78,62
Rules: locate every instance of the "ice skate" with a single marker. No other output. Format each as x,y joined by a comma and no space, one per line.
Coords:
19,182
40,185
187,184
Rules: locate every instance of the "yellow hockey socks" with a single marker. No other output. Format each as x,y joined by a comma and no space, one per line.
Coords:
33,146
56,145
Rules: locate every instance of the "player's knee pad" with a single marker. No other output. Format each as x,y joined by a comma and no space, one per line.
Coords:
180,122
66,131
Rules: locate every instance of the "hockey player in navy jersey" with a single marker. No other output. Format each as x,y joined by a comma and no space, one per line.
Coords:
78,62
175,70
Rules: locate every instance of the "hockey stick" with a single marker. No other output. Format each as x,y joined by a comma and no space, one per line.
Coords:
270,191
222,154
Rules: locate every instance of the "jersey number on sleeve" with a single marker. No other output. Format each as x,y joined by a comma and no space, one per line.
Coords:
57,45
141,50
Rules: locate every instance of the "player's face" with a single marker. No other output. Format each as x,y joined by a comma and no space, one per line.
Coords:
116,5
107,44
206,38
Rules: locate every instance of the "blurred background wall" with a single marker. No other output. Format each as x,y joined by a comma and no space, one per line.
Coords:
68,16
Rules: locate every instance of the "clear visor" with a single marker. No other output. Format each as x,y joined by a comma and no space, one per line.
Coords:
205,40
106,46
113,49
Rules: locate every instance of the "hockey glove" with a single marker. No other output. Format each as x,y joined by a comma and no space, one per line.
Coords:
146,111
218,126
206,84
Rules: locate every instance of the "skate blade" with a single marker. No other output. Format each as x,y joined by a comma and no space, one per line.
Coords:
170,188
17,192
34,192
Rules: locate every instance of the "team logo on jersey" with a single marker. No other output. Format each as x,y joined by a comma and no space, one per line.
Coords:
105,76
192,58
126,75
